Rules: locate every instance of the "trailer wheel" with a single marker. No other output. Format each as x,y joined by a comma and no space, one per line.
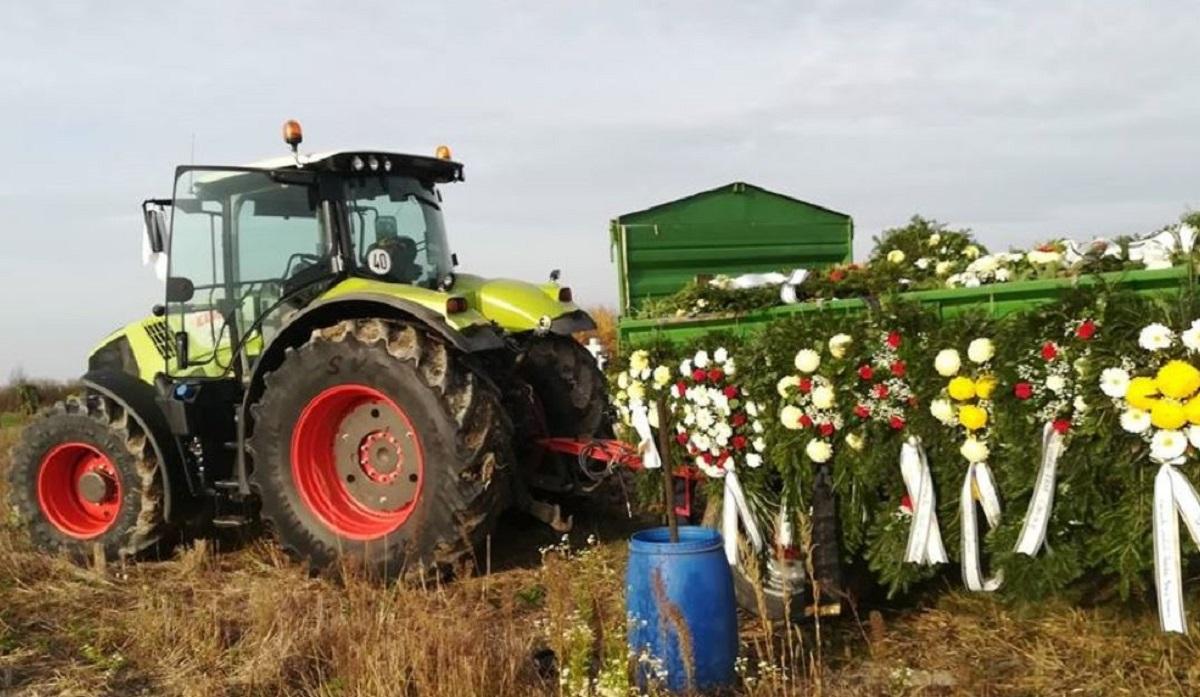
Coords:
569,385
83,473
372,440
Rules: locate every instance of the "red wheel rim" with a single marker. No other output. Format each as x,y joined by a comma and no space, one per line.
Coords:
357,461
79,490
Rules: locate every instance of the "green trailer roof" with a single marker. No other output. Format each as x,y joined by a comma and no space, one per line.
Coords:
732,229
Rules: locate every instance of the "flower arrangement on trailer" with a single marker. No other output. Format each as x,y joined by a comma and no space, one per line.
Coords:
1157,394
810,404
637,388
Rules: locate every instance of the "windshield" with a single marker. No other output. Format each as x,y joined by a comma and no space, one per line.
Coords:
396,230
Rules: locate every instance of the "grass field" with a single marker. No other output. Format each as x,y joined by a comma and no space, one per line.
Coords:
244,620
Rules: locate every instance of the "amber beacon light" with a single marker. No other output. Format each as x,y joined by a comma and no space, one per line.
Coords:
292,135
442,152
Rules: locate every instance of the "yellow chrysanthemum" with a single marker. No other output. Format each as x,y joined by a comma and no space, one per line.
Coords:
1167,413
985,386
972,417
962,388
1192,409
1178,380
1142,393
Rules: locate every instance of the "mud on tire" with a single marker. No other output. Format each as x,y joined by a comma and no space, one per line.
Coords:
461,434
98,425
570,386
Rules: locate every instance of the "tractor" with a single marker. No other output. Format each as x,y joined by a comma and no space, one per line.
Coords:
320,365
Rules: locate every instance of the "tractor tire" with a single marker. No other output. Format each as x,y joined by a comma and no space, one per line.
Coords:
85,474
374,441
569,385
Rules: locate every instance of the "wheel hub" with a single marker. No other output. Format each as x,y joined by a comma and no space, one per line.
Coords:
372,446
95,487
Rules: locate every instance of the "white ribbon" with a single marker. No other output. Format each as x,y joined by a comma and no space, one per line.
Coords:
979,478
733,509
1037,518
640,419
1173,494
924,536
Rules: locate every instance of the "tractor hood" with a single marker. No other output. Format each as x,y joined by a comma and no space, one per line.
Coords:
518,306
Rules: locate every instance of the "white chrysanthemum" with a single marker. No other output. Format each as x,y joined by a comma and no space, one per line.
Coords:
1056,383
1191,337
947,363
675,392
636,392
720,355
822,397
934,240
971,251
1080,405
985,264
730,368
895,256
757,426
807,360
943,268
623,380
839,344
752,408
855,441
1114,382
974,450
922,263
759,444
818,451
1135,420
1155,337
943,411
786,384
1193,435
1003,275
754,460
685,368
1167,444
790,417
981,350
662,375
701,359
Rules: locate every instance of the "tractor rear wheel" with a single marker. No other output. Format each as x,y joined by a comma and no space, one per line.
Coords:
85,474
373,440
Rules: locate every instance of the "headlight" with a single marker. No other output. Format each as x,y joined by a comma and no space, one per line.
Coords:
373,163
357,163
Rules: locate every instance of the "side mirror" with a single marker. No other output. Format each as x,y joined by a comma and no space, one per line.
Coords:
180,289
156,230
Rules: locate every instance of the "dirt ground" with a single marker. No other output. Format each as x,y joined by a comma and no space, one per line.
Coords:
238,618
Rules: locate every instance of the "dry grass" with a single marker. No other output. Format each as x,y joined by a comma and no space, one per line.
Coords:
249,622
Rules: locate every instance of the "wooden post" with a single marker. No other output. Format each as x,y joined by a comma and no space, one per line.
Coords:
668,468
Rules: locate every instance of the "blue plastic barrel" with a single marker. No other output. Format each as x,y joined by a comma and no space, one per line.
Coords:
679,590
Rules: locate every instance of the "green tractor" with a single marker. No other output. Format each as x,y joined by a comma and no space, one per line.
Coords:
319,364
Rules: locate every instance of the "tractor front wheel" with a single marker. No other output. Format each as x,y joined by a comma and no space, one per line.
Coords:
373,440
84,474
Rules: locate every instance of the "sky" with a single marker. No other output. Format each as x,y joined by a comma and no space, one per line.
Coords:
1020,120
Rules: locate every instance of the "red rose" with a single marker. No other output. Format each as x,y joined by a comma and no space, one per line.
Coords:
805,421
681,387
898,368
1086,330
1023,390
715,375
722,458
906,503
837,275
681,438
1062,425
881,390
731,391
896,423
825,429
1049,351
739,420
698,375
862,411
865,372
893,339
739,442
708,458
805,385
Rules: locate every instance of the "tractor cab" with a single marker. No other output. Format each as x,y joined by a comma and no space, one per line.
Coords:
249,246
